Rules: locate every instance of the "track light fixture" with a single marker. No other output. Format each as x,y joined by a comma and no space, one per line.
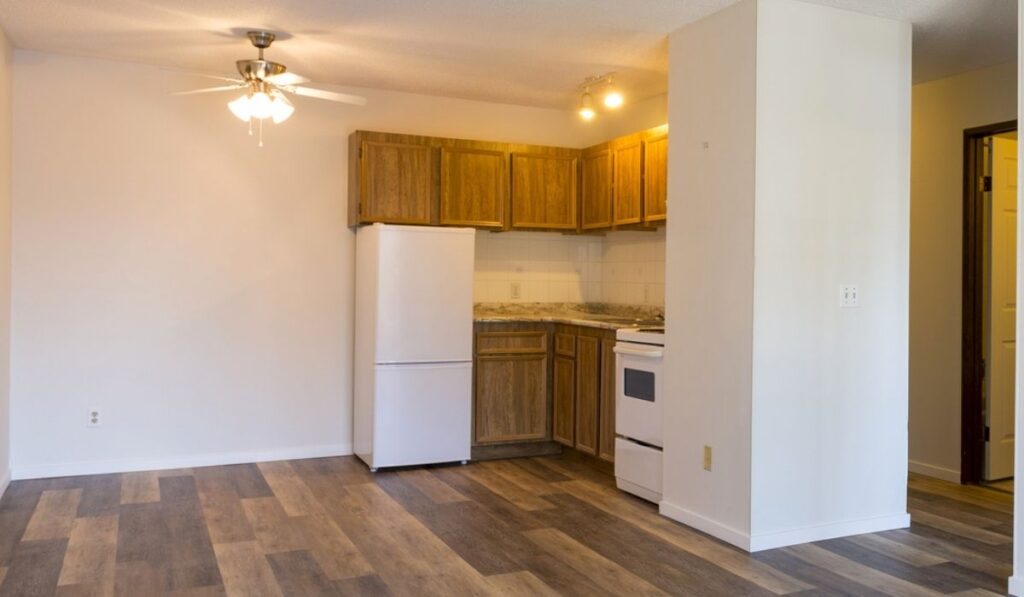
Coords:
612,97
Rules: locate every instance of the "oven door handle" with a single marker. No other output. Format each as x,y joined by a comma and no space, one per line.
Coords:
641,352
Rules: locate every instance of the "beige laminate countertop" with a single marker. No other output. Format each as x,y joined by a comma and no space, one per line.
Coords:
608,317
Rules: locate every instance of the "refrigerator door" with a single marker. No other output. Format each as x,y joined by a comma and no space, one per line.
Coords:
424,295
422,414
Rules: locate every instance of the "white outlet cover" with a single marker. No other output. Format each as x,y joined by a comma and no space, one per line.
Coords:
849,296
93,418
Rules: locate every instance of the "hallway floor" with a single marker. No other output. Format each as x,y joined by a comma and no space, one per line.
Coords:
541,526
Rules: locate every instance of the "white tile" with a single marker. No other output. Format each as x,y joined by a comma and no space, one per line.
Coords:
634,294
559,250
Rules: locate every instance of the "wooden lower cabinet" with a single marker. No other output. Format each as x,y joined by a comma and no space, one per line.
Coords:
606,417
588,390
540,382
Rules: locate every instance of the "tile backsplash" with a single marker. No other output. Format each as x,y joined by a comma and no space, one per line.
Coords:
620,267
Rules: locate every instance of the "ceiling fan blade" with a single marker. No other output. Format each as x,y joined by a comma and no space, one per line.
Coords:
210,89
355,100
204,75
287,78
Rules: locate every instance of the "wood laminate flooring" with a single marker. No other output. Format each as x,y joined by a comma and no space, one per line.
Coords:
551,525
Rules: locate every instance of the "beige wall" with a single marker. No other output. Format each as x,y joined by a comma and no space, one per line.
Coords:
6,75
196,288
941,111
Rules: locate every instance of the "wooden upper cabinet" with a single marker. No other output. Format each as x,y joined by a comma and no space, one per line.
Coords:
596,203
474,187
656,177
627,198
544,190
396,183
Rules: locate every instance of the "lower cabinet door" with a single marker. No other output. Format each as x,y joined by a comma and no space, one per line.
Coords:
606,436
564,423
588,385
511,398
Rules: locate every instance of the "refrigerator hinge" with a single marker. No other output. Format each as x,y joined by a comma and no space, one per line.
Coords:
985,184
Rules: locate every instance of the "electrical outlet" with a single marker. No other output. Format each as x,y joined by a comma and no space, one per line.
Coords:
516,290
707,458
94,418
849,296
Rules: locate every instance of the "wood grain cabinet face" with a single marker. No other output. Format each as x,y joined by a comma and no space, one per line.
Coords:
588,384
511,398
474,187
544,191
627,198
606,434
656,178
564,387
596,203
397,183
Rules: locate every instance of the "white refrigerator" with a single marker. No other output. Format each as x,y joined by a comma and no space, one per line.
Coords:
413,344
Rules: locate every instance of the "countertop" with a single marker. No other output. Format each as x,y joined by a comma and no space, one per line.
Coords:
595,315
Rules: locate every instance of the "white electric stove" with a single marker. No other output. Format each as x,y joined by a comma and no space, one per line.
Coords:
638,411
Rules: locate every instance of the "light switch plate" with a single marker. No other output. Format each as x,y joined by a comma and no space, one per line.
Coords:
849,296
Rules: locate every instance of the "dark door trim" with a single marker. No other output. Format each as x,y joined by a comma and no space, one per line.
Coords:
972,425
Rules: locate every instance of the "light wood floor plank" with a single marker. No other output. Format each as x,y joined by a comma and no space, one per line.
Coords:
245,571
898,551
521,477
523,498
91,554
140,488
294,495
54,515
603,571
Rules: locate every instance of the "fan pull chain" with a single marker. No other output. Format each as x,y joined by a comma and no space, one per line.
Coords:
250,127
261,133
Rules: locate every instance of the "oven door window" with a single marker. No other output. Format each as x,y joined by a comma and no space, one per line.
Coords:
638,384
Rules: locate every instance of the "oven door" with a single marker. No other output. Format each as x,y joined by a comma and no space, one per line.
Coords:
638,392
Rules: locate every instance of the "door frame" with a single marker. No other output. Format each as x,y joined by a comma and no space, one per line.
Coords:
972,373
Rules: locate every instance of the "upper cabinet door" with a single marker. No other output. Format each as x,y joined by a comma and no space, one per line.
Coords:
544,191
628,183
656,178
596,206
474,187
397,183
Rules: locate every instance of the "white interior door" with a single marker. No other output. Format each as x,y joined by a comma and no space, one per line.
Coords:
1002,310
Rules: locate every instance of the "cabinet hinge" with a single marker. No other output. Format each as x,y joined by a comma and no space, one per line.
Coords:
985,184
986,433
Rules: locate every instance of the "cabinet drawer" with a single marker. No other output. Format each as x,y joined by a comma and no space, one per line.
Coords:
511,342
565,344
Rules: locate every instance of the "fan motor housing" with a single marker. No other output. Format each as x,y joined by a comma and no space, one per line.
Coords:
258,70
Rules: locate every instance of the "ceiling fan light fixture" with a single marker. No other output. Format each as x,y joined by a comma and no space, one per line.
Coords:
261,105
281,108
613,97
586,109
241,108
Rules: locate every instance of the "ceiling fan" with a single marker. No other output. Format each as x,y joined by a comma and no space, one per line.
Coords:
265,84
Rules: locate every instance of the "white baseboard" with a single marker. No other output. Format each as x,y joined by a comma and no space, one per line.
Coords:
703,523
930,470
1016,586
828,531
97,467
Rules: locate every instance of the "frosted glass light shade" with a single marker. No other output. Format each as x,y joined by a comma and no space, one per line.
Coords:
240,108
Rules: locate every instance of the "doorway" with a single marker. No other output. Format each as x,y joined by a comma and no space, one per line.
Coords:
989,304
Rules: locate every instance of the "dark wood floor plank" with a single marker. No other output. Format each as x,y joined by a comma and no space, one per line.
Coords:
298,573
101,496
363,586
825,581
35,568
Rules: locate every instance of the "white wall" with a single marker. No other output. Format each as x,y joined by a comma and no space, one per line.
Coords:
6,75
622,267
832,207
1016,582
942,109
709,272
194,287
789,176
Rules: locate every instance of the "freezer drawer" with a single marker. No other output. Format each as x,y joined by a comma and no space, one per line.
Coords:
422,414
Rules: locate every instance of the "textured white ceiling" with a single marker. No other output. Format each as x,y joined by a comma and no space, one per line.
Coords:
531,52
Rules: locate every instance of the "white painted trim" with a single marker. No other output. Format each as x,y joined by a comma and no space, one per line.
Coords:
705,524
96,467
5,480
828,531
1016,586
937,472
